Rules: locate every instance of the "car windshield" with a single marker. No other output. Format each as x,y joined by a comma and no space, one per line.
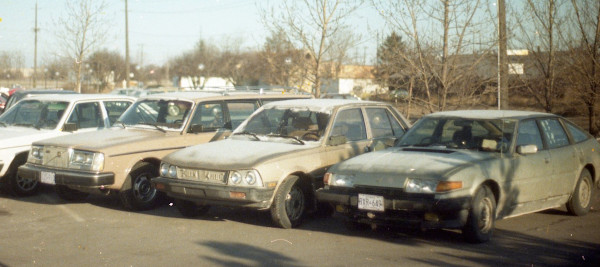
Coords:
494,135
35,114
285,124
160,114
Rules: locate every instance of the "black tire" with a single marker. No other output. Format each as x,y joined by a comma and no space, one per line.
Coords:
289,204
579,203
141,195
19,186
69,194
482,215
190,209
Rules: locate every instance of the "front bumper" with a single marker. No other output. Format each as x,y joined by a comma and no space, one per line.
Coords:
412,210
68,177
212,194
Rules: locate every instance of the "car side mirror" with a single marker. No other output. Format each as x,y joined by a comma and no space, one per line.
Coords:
527,149
197,128
337,140
69,127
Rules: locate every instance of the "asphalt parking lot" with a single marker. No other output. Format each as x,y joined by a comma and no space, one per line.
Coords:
45,231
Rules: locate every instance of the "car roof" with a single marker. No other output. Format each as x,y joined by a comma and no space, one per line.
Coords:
43,91
321,104
491,114
204,95
78,97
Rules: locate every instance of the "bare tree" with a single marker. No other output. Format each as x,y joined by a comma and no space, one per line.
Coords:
442,45
84,27
538,28
312,24
585,57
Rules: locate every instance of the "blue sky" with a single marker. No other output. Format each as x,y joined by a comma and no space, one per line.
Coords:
159,29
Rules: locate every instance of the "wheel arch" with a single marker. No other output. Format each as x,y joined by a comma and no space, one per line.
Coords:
127,182
494,187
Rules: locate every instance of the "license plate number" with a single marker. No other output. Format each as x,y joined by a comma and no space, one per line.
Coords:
370,202
47,178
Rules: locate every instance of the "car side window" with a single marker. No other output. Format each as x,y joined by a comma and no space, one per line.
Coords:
380,122
239,111
529,134
554,133
350,123
114,109
87,115
577,134
210,115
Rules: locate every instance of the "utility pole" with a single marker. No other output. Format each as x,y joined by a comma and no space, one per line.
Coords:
35,30
502,58
126,47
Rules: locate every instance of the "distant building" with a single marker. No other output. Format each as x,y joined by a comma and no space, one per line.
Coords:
349,79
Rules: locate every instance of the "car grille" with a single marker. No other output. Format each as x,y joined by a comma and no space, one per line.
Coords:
217,177
55,157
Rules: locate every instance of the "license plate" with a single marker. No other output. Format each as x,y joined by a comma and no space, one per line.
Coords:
47,178
370,202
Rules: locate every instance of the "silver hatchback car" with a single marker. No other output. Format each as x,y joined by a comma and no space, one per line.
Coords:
465,169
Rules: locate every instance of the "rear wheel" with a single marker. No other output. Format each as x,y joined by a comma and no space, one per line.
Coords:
480,223
579,203
289,204
190,209
69,194
142,195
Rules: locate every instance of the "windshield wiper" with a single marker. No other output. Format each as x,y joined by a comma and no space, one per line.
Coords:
120,122
155,126
248,133
287,136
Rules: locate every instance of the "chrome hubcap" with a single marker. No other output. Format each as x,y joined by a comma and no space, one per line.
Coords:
585,190
485,215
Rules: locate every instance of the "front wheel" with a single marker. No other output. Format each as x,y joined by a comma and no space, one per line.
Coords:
579,203
190,209
142,195
17,185
480,223
289,204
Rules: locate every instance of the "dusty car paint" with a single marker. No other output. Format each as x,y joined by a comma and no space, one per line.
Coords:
276,160
520,182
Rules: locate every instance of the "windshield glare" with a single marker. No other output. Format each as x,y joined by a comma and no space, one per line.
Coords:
484,135
301,124
34,113
169,114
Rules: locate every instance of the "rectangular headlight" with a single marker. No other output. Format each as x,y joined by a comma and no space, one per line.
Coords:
86,160
420,186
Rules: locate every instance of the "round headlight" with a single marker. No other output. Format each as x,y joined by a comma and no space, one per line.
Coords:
164,169
251,178
89,158
236,177
78,157
35,152
172,171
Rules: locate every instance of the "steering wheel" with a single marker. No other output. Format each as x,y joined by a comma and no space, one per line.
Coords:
310,136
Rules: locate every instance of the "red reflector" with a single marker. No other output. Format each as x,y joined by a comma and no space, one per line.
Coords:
159,186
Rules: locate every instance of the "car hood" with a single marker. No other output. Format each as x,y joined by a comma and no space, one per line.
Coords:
23,136
113,140
391,167
230,154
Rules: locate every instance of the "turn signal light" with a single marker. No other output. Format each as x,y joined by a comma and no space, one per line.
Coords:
444,186
240,195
